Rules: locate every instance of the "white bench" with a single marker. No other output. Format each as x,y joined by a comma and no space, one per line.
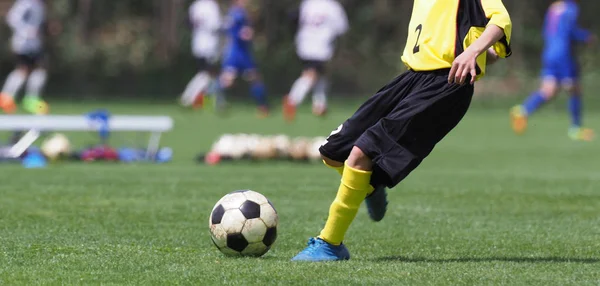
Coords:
35,124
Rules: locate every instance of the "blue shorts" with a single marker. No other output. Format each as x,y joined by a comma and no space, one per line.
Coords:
238,62
562,71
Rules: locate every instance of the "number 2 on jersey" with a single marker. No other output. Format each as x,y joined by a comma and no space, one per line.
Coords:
419,29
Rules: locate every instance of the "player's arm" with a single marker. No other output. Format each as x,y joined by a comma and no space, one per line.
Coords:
245,32
466,63
14,18
577,33
498,16
496,36
193,20
491,57
342,20
215,23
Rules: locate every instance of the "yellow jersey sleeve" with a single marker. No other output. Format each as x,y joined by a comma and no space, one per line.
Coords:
498,15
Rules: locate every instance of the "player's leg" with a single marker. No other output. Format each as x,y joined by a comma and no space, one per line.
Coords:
258,91
387,152
577,131
334,165
339,144
340,154
194,91
32,102
249,70
14,82
342,140
519,114
230,69
299,90
215,97
319,104
227,77
354,187
552,73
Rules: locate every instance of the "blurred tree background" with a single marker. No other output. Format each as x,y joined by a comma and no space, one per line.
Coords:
141,48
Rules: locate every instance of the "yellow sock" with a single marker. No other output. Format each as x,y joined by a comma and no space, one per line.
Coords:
339,169
354,188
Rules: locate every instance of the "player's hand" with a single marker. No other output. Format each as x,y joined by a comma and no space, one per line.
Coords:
463,66
246,33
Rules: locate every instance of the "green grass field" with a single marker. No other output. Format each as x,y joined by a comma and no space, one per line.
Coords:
486,207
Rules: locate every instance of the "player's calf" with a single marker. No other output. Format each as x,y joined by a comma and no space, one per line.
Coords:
320,97
226,79
377,203
298,92
13,84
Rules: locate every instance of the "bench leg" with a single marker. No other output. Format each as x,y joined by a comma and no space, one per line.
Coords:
21,146
153,145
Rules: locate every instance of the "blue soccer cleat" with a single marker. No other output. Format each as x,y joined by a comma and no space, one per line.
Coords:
377,203
318,250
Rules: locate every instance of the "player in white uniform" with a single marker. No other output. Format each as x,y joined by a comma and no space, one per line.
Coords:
320,23
205,17
27,20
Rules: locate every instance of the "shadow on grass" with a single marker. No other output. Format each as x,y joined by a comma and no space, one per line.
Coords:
489,259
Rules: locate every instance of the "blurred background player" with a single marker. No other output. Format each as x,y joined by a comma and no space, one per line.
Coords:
27,19
559,69
237,58
320,23
205,18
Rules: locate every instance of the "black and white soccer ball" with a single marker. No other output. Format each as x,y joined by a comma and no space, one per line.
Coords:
243,223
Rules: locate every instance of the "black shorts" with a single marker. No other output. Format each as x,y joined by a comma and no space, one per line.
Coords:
208,64
399,126
319,66
30,60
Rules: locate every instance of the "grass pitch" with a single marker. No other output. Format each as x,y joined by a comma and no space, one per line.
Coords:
486,207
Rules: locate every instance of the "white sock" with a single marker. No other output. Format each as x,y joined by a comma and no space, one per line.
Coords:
198,84
14,82
320,95
36,82
299,90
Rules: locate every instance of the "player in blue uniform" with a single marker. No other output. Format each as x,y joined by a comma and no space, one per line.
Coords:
560,68
237,58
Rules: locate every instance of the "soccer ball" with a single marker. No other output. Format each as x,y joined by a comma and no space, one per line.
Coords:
299,147
265,149
282,145
313,149
243,223
55,146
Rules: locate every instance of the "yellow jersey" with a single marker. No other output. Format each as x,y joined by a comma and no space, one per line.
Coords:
440,30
